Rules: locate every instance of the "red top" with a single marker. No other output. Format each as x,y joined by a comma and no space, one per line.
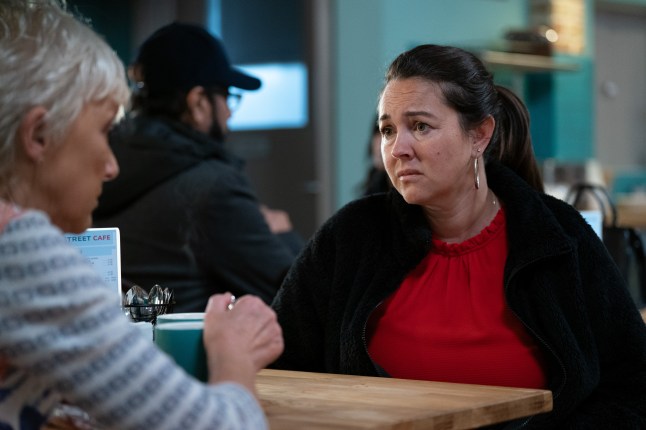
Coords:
448,320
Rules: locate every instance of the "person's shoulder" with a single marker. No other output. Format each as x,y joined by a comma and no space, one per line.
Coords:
534,203
564,212
373,202
154,133
571,222
356,223
363,213
528,206
30,220
214,175
31,233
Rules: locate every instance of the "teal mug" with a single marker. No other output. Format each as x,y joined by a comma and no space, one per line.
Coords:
182,341
180,317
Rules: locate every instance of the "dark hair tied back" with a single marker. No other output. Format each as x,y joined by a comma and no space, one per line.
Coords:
512,141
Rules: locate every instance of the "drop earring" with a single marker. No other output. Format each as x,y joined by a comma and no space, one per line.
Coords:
475,173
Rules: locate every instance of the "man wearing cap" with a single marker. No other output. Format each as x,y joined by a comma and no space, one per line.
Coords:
188,217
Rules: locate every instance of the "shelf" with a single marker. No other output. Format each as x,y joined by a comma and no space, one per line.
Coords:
525,62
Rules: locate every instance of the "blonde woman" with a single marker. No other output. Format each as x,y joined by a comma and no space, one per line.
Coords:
63,335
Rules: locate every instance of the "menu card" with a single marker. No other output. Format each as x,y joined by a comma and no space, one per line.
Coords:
102,248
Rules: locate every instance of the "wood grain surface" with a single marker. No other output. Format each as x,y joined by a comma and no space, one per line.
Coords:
303,400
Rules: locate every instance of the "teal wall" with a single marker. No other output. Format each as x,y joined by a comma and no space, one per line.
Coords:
562,112
561,104
369,34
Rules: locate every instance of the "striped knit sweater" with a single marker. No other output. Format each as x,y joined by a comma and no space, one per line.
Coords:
64,336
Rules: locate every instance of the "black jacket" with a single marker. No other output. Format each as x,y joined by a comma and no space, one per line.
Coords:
559,281
188,216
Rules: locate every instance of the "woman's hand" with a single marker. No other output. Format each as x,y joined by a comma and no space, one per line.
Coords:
240,341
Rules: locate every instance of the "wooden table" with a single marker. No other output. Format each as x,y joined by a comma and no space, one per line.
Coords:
313,401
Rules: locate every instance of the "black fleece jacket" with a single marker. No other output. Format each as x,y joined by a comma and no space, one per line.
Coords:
559,281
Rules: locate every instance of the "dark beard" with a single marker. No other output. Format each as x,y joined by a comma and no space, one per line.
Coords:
216,133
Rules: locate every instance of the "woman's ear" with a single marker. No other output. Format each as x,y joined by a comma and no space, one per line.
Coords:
482,134
31,135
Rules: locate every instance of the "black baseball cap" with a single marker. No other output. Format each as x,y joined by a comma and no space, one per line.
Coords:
182,56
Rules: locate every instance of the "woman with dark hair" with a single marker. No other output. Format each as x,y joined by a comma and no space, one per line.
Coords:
468,272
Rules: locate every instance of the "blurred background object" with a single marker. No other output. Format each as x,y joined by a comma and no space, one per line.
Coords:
535,41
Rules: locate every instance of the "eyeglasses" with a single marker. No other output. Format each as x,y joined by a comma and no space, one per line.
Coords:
233,99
